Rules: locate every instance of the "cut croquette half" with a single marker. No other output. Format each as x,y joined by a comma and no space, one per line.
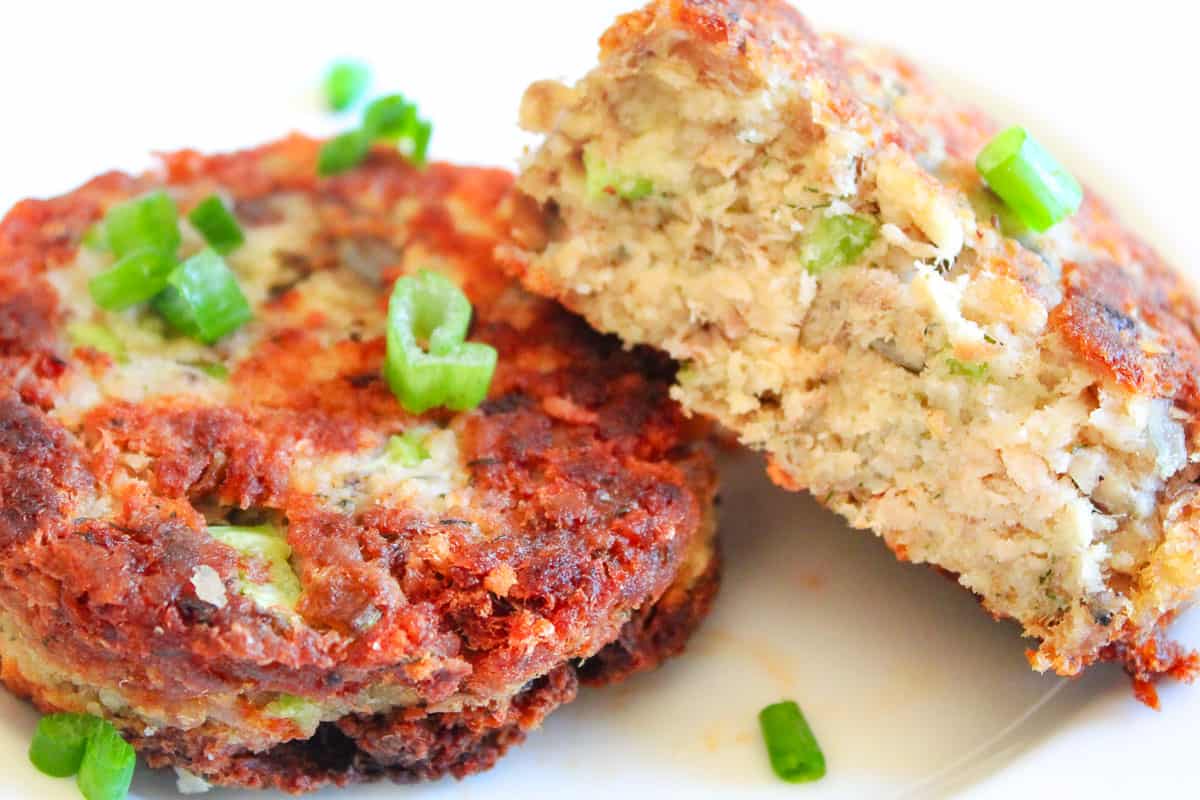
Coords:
799,221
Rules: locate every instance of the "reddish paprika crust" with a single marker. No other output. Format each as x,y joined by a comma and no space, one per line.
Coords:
589,490
411,745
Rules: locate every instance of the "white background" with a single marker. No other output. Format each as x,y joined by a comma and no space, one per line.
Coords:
912,690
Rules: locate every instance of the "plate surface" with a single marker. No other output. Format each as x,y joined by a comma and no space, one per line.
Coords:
912,690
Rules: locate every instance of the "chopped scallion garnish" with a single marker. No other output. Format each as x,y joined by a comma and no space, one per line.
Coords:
213,369
299,710
389,118
407,449
203,299
991,208
416,147
836,241
393,119
448,371
343,152
795,755
1028,179
97,337
603,181
974,370
59,743
135,278
107,767
200,297
345,83
217,225
89,748
149,221
94,238
261,541
269,544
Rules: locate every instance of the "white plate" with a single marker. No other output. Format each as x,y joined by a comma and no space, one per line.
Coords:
912,690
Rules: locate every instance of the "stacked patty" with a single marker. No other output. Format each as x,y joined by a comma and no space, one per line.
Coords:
399,618
799,220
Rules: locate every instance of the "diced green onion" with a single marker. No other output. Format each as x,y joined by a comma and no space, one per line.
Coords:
605,182
345,83
259,541
299,710
389,118
343,152
94,238
150,221
97,337
834,242
452,373
213,369
135,278
973,370
107,766
60,741
394,119
88,747
989,207
795,755
418,144
408,449
1028,179
217,225
265,543
203,299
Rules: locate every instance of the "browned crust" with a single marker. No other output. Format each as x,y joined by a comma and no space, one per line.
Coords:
591,481
404,746
655,633
1104,308
413,745
739,41
1148,659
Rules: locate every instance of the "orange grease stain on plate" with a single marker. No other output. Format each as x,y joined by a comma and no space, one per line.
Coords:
813,581
724,734
771,660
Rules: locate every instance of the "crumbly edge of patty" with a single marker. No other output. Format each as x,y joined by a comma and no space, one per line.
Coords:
405,744
926,391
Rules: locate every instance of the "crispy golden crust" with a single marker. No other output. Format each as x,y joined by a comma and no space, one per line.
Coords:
411,745
743,42
1149,659
586,485
655,633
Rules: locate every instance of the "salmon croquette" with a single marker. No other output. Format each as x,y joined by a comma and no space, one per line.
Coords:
799,221
254,562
